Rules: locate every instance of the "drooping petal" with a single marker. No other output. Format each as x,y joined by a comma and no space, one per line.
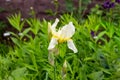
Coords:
52,43
53,27
71,46
68,30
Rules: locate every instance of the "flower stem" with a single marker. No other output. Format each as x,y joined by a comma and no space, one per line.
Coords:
55,69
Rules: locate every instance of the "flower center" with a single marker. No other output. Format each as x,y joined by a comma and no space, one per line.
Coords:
60,38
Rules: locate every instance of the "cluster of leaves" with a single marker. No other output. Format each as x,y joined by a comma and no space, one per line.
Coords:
97,41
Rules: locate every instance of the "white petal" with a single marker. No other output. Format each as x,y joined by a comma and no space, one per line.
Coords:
68,30
53,27
95,37
71,46
6,34
52,43
20,34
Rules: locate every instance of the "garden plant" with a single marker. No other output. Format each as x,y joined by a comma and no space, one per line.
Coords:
66,48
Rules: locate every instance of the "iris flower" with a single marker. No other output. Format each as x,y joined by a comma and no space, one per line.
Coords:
108,4
62,35
118,1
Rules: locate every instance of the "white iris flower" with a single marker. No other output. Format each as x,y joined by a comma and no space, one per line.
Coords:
62,35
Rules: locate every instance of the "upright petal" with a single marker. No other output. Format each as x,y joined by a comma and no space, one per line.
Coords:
68,30
53,27
52,43
71,46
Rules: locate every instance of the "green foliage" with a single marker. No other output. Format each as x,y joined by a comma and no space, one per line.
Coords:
15,21
3,49
69,5
96,10
34,24
77,9
97,58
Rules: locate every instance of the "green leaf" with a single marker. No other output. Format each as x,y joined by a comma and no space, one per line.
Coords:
24,33
16,41
31,67
96,75
100,35
19,73
34,25
15,20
